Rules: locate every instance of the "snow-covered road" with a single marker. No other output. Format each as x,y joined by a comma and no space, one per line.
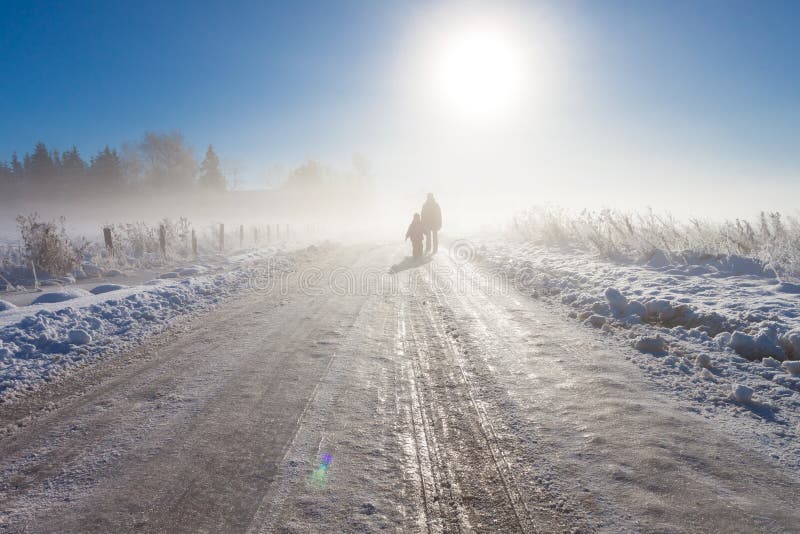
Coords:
427,400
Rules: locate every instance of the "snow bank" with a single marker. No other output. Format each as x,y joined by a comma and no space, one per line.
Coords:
734,300
791,367
71,328
742,393
191,271
61,296
714,331
652,345
105,288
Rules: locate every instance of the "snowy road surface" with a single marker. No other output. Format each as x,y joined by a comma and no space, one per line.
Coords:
425,401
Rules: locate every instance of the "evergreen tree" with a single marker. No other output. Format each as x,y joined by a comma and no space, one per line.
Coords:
6,181
56,159
39,167
106,171
211,176
73,168
16,168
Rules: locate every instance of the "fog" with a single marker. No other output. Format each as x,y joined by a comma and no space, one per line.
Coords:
491,110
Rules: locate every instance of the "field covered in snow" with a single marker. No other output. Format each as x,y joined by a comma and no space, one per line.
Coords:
722,332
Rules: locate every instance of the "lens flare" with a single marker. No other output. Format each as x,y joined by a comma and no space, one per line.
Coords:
319,478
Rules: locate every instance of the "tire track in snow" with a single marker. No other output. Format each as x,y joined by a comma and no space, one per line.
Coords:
510,485
465,458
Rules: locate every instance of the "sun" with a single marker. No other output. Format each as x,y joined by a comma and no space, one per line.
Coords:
477,72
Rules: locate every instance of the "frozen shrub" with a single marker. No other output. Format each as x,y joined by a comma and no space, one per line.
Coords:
48,246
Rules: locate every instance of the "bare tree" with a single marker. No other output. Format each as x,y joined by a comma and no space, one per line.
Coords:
169,164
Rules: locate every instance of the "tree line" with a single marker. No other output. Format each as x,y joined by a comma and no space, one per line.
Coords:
159,162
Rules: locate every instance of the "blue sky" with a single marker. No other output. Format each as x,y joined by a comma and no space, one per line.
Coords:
268,84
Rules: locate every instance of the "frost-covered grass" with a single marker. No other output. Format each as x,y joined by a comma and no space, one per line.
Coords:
773,238
61,257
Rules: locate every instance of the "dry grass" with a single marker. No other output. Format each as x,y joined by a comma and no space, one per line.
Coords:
773,238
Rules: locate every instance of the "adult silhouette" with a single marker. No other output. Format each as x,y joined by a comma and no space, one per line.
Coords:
431,216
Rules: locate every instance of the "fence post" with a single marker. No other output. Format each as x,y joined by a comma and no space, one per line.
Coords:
277,232
255,235
287,231
162,240
241,235
35,278
194,244
108,241
269,234
222,236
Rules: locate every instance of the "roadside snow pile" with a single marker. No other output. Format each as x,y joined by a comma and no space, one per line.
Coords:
729,303
191,271
38,343
105,288
61,296
742,393
653,345
709,329
79,337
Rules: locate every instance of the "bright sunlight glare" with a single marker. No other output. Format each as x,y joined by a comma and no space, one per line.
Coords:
478,73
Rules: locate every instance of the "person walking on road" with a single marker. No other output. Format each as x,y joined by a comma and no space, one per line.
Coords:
431,223
414,233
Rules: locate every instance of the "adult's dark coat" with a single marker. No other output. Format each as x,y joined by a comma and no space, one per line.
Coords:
431,215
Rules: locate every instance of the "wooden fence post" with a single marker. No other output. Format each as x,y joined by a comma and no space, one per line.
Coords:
162,240
108,241
35,277
269,234
241,235
255,235
277,232
194,244
221,236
